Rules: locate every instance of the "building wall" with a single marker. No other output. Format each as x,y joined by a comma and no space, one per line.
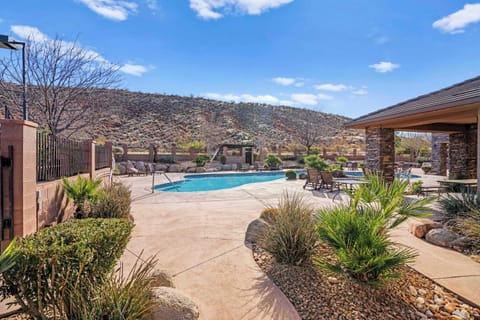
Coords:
463,154
380,151
440,153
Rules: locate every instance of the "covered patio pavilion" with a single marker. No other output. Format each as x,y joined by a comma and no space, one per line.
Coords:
453,111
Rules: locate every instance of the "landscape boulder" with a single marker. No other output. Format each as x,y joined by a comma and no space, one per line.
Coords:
173,305
191,170
174,168
441,237
255,229
162,279
161,167
122,168
140,165
420,229
200,170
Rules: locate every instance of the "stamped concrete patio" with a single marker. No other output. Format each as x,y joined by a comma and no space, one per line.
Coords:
199,239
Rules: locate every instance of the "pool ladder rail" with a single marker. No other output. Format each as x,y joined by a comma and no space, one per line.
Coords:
168,178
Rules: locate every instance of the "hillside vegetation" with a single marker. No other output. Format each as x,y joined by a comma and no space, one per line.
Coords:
140,119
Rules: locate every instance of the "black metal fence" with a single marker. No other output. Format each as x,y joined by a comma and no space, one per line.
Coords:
59,157
103,157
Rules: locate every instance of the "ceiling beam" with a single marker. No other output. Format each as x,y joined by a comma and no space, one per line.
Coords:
435,127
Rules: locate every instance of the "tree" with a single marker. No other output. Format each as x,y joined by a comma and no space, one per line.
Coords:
310,135
64,80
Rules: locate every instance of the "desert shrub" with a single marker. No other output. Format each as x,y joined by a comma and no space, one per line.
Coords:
269,214
223,159
361,245
272,161
314,151
469,226
301,159
195,146
121,296
291,174
66,258
314,161
359,232
291,238
426,169
416,187
113,201
457,206
83,191
8,257
200,160
342,161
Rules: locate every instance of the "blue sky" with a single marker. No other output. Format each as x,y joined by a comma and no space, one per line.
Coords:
343,57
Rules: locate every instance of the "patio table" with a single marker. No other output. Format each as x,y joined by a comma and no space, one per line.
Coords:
349,184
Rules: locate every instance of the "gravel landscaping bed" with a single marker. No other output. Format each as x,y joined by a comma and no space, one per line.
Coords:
317,294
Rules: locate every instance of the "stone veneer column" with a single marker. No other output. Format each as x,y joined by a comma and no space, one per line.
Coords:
463,154
380,151
439,153
22,135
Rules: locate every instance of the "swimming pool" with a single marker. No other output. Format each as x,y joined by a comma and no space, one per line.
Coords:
211,182
360,174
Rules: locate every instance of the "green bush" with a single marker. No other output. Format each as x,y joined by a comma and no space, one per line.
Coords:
269,214
291,174
301,159
362,247
223,159
455,205
82,191
416,187
112,202
200,160
359,232
121,296
426,170
291,238
314,151
272,161
314,161
55,262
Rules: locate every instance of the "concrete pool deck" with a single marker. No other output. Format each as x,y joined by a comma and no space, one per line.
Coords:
199,239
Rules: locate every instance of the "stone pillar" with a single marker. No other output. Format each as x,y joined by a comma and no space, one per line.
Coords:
151,153
22,135
463,154
324,153
125,152
439,153
279,150
380,151
174,152
90,151
354,152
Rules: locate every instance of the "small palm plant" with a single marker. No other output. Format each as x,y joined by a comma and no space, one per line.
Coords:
8,257
359,231
81,191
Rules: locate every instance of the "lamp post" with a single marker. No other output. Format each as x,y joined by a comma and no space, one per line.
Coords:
7,42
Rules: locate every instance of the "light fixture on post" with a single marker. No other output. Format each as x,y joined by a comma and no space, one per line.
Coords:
7,42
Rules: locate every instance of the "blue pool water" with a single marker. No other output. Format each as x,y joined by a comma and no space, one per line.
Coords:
210,182
360,174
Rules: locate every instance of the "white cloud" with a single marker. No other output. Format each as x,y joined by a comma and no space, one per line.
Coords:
35,35
285,81
215,9
322,96
134,69
111,9
360,92
305,98
152,5
331,87
384,66
267,99
457,21
31,33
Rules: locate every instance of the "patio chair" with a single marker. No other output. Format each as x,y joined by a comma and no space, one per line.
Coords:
313,178
327,181
131,170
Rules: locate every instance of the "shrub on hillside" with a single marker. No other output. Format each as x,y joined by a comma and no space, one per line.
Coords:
200,160
291,238
56,262
112,202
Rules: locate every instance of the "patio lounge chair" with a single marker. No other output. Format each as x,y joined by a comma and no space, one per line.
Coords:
131,170
327,181
313,178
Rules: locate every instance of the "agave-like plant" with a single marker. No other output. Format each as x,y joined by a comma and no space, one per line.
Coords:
80,191
358,232
8,257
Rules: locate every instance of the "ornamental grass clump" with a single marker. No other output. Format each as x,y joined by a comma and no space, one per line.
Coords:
359,232
291,237
62,260
113,201
268,214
